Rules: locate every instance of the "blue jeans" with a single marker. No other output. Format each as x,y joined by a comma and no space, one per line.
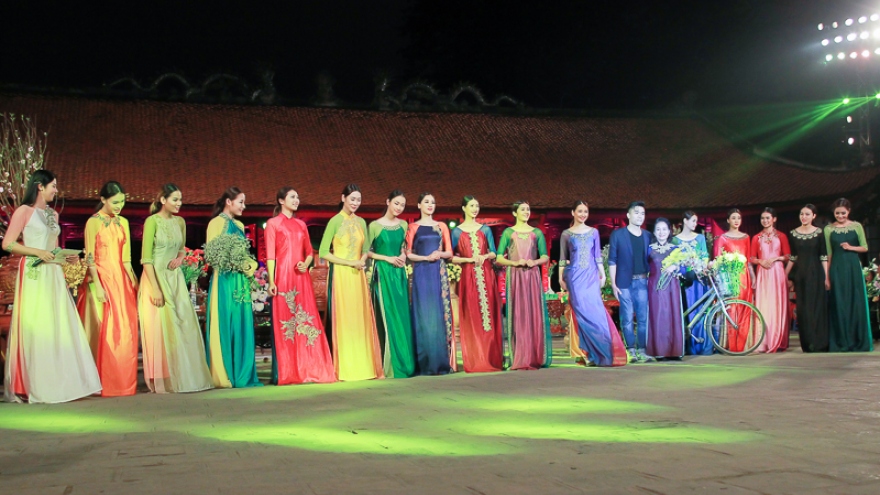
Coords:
634,300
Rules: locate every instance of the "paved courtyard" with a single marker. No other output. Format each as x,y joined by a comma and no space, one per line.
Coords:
789,423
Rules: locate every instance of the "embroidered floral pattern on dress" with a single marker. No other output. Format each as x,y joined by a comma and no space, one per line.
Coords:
105,219
583,250
49,218
242,295
32,271
350,226
447,304
481,284
767,238
301,322
662,248
804,237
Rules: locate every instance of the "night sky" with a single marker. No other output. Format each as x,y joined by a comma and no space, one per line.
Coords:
590,55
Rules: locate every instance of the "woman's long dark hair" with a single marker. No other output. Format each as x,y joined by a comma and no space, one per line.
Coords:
281,195
346,192
165,193
39,177
219,205
393,194
108,190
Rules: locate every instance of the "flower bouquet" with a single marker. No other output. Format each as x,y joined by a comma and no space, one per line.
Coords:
683,256
260,288
229,253
74,274
727,271
453,272
607,290
193,266
872,281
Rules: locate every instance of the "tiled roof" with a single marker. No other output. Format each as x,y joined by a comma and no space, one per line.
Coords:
549,161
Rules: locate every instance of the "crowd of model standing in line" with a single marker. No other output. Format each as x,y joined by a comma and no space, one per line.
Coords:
61,350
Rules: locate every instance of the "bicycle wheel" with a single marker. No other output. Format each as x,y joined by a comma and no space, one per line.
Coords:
737,340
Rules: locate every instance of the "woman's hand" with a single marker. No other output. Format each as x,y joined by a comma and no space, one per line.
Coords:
398,261
563,285
132,278
175,263
100,295
827,284
272,289
434,256
672,269
358,264
72,259
531,263
157,298
846,246
302,266
44,255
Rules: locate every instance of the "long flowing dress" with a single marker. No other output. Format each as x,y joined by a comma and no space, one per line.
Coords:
48,359
300,350
808,251
480,321
698,344
112,326
230,319
171,338
390,291
665,324
356,351
850,330
431,300
528,324
739,337
591,329
771,290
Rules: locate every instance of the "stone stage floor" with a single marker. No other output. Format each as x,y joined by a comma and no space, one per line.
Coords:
788,423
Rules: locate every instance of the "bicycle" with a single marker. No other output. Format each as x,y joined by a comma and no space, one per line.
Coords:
718,322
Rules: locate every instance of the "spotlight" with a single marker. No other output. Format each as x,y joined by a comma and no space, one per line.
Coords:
821,26
834,25
863,19
849,119
838,39
851,36
866,53
825,42
877,33
875,17
877,96
452,224
851,141
849,22
864,35
845,101
829,57
842,55
877,51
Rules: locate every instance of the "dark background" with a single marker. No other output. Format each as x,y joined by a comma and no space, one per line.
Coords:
734,61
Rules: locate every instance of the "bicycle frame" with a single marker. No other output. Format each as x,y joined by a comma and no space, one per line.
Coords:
713,294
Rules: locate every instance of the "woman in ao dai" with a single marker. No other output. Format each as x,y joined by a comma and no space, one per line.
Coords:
428,246
356,351
171,337
480,322
592,333
108,301
48,357
300,349
523,250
